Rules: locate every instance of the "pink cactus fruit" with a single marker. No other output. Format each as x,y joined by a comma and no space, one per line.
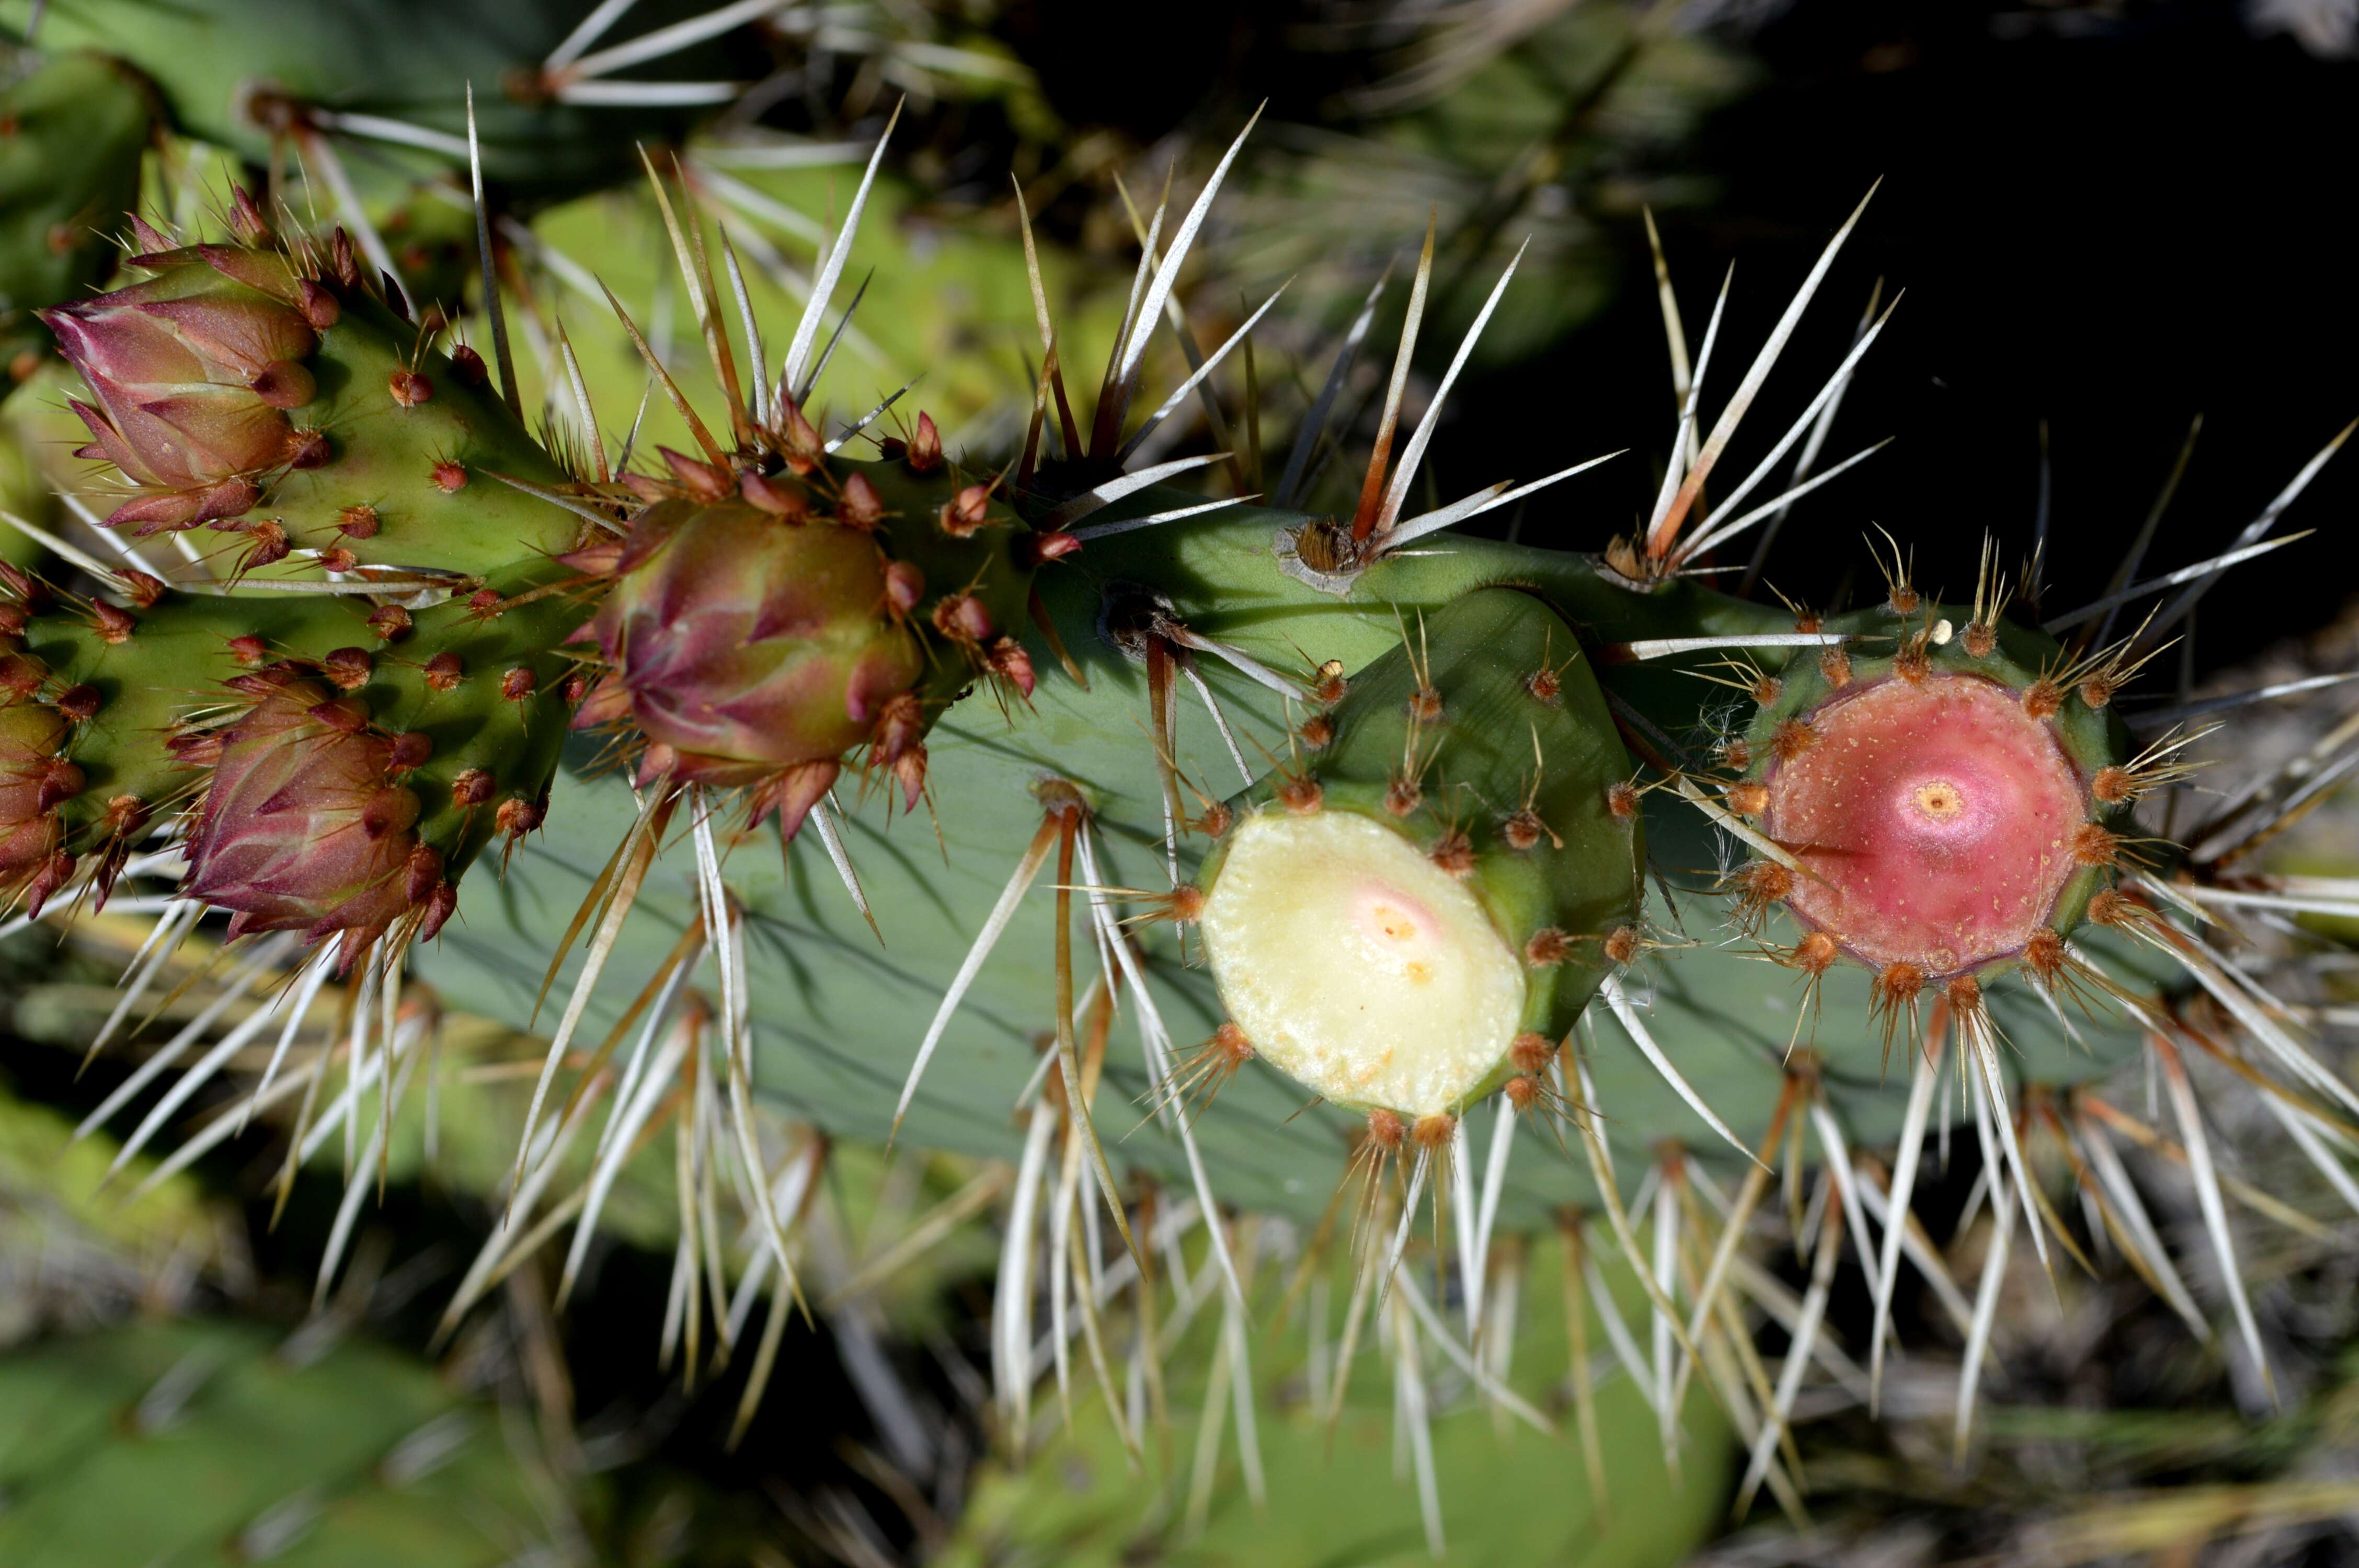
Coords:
1933,820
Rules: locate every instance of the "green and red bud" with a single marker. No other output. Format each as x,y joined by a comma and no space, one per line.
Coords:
301,827
193,371
748,644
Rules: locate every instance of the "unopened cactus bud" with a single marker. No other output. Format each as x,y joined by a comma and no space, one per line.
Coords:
300,827
748,644
192,371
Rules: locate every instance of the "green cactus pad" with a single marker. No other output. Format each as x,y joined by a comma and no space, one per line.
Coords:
838,1018
200,1442
362,440
484,690
239,73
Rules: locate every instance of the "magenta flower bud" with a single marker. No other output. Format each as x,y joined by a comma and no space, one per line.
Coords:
299,829
191,372
747,645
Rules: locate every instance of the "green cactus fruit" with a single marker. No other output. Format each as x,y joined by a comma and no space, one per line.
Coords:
1444,875
206,1443
273,394
254,75
71,134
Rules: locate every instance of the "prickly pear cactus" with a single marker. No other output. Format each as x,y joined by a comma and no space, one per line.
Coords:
1492,840
1292,1485
270,398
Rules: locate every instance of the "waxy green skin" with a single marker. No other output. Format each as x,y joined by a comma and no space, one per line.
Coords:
383,455
990,562
413,477
839,1017
1480,653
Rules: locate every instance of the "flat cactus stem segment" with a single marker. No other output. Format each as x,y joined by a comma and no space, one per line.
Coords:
839,1018
1446,871
1933,821
389,456
240,72
487,735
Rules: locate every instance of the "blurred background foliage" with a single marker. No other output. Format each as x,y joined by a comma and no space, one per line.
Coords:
2110,218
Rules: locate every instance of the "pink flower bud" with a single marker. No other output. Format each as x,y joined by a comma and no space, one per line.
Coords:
742,648
298,829
190,372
